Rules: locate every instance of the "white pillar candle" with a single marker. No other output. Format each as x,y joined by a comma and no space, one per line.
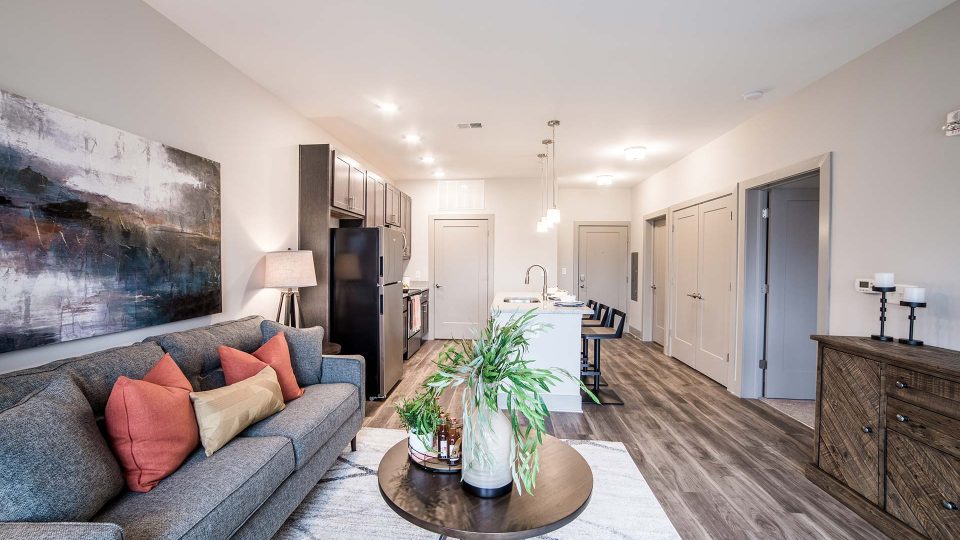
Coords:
883,279
915,294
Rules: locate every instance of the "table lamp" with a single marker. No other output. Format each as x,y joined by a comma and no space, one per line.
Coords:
289,270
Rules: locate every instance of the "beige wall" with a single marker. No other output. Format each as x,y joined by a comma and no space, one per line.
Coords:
585,204
120,63
896,176
516,209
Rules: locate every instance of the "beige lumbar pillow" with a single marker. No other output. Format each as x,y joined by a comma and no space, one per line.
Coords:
224,412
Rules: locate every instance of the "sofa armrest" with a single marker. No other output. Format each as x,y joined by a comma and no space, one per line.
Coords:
346,369
59,530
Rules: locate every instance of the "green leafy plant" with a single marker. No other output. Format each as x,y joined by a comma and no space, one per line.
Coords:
420,414
494,363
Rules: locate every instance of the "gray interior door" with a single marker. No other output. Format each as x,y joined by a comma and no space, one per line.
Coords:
659,285
791,314
461,298
602,264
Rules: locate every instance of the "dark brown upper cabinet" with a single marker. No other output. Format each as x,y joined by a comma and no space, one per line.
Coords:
358,191
393,206
376,203
340,185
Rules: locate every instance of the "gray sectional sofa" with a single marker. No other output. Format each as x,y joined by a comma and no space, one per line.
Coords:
245,490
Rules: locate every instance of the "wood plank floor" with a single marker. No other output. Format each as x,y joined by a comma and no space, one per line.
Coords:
722,467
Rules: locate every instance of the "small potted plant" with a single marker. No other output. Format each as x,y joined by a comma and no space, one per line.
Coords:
420,416
499,448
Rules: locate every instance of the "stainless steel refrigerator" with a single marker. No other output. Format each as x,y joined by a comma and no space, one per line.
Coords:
366,302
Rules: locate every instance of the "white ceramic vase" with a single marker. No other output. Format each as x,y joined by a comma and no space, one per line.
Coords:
422,443
487,459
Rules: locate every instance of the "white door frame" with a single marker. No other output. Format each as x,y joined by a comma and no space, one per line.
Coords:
576,259
645,332
431,247
749,334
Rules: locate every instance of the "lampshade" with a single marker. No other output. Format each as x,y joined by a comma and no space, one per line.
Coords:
288,269
553,215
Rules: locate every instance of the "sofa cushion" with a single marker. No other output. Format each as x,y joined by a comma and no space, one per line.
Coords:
151,424
209,497
54,464
310,420
195,351
238,365
305,344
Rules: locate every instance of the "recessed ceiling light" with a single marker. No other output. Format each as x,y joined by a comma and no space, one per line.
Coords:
635,153
411,138
604,179
753,96
387,107
438,174
427,159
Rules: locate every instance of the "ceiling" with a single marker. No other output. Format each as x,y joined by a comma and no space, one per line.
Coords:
616,73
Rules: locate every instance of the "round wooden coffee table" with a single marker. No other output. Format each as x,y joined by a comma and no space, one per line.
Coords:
438,503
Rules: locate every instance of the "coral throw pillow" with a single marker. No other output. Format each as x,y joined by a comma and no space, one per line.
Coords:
238,365
151,424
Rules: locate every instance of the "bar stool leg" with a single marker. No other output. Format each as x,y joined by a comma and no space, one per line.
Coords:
596,365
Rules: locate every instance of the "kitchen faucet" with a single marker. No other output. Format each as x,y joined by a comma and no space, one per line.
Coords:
526,280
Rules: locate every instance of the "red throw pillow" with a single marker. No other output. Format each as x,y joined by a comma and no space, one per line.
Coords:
238,365
151,424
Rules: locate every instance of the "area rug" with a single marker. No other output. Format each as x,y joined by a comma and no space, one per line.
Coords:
347,502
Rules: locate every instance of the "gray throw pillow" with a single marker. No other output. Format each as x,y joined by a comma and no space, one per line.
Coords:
54,463
306,347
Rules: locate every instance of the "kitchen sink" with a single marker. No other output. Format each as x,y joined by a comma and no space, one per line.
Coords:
521,300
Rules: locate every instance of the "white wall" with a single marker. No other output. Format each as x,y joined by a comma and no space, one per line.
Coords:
896,177
121,63
517,244
585,204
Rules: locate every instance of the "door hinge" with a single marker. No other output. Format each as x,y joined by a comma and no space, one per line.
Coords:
764,289
728,357
763,363
765,213
731,215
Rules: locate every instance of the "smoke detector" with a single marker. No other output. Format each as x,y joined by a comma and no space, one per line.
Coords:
470,125
952,127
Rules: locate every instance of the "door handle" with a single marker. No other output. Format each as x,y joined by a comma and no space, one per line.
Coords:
437,285
654,287
692,295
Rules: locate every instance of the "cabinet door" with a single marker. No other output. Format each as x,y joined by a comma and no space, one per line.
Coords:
849,446
406,207
393,206
380,204
923,487
358,191
340,185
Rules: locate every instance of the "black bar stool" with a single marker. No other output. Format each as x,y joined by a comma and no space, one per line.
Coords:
601,312
592,304
612,330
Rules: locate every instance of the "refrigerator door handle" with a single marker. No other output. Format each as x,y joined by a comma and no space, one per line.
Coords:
381,304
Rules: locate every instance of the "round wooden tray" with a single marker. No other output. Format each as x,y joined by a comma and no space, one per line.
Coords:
432,463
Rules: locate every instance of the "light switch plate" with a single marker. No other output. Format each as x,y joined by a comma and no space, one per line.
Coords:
563,271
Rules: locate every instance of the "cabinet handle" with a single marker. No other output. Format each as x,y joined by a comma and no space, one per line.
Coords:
949,505
901,384
902,418
867,429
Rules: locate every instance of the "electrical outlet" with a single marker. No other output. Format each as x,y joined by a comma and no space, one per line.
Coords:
417,274
563,271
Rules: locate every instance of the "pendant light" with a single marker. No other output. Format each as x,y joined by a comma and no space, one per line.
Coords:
542,224
553,213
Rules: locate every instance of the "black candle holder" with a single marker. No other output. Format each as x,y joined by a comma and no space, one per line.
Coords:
913,306
883,312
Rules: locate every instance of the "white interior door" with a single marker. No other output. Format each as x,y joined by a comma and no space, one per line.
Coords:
602,264
659,286
792,249
715,277
686,242
460,276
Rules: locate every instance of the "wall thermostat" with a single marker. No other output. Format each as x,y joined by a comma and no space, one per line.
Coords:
864,285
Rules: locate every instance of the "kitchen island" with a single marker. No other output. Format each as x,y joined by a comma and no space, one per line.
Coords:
555,346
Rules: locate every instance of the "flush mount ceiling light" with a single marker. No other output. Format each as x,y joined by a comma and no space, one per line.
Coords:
753,96
604,179
387,107
635,153
428,159
411,138
438,173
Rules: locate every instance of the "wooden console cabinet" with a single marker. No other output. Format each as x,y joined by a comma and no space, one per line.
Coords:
887,434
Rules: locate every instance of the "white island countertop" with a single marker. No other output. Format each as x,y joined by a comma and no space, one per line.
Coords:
556,345
541,307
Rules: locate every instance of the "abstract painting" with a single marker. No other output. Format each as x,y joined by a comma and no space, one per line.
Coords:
101,231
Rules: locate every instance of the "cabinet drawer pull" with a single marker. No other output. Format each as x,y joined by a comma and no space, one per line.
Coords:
901,385
902,418
867,429
949,505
